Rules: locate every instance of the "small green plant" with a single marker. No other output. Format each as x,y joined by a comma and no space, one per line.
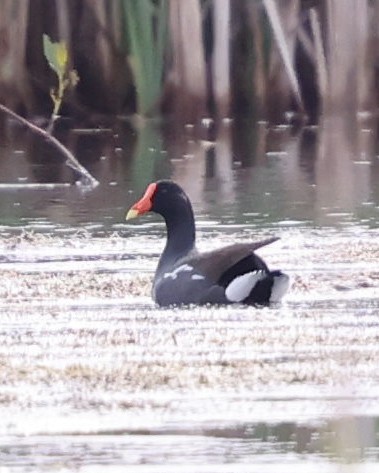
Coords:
57,57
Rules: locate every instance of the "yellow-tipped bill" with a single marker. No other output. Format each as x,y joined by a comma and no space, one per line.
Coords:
133,213
143,205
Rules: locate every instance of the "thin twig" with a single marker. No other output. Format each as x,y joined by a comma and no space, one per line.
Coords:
87,179
50,126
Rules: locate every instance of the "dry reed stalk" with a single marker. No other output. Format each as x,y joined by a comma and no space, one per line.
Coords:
306,42
320,60
188,71
346,42
340,42
13,26
115,23
101,46
364,56
104,75
221,57
284,19
259,82
63,23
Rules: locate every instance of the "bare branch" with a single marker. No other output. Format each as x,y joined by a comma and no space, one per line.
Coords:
87,179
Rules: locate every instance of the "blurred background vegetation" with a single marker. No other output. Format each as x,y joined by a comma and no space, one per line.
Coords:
195,58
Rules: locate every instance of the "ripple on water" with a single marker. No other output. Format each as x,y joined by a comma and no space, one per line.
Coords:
83,350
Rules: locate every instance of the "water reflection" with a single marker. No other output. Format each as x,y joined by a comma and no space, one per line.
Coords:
343,167
321,175
343,440
80,366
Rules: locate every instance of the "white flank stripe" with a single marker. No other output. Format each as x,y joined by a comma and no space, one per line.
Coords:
279,287
197,277
176,271
241,286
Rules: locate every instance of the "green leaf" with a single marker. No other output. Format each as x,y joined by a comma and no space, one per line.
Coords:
62,55
56,55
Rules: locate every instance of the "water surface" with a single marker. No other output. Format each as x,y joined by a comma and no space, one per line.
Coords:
96,378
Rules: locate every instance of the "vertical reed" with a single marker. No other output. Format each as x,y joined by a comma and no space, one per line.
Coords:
221,57
146,32
14,84
283,81
258,84
188,90
341,43
284,20
157,48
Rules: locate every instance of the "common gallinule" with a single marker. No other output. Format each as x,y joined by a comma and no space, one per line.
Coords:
233,274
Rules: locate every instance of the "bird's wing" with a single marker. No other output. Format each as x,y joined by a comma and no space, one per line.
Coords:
214,264
185,285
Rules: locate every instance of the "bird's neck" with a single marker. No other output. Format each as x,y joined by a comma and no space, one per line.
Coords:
180,224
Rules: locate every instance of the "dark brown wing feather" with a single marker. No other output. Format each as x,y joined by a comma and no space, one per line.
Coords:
215,263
